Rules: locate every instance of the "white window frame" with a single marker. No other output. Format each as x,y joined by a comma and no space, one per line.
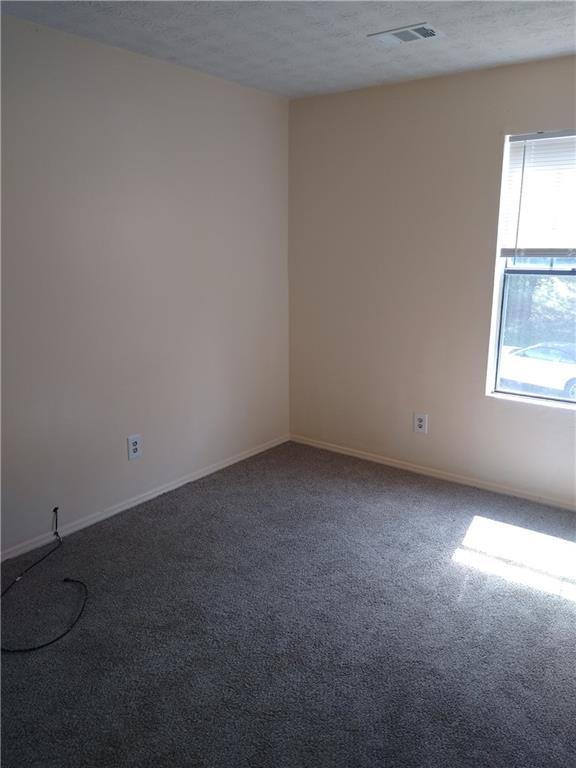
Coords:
498,294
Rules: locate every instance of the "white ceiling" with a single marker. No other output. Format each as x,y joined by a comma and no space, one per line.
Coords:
301,48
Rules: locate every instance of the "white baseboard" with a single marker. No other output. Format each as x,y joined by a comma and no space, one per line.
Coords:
431,472
84,522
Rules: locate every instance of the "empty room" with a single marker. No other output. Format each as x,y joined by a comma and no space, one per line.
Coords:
288,384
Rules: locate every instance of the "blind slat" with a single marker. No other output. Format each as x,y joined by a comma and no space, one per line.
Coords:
539,253
539,204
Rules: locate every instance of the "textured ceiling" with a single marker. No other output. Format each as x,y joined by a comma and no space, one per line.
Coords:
301,48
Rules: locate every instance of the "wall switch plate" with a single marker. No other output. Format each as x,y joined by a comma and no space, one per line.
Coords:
421,423
134,447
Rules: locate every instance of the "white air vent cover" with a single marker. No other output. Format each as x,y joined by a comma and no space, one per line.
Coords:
409,34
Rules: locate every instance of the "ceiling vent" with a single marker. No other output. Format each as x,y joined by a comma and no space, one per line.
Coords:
409,34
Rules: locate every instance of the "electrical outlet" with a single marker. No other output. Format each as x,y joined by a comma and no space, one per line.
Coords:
134,447
421,423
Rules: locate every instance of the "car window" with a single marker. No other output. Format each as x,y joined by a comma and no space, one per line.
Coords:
564,357
537,353
543,353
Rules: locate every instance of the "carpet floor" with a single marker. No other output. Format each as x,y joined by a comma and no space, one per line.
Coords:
300,609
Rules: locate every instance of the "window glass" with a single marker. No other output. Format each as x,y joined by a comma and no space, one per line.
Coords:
536,276
538,336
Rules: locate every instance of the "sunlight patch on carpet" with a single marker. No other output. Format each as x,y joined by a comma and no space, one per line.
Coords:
519,555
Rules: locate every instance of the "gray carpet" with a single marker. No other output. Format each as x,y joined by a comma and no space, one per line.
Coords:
300,609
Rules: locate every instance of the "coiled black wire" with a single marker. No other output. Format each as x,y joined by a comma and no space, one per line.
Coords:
67,580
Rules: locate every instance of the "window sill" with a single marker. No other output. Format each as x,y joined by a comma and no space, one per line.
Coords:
540,401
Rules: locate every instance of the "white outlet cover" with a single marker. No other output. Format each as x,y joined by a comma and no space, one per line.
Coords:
421,423
134,443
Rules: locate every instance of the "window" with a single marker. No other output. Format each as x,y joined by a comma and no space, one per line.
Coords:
535,333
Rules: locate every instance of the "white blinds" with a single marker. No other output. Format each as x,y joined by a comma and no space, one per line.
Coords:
539,194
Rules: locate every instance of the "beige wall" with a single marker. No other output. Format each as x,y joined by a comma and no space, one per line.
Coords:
145,275
394,206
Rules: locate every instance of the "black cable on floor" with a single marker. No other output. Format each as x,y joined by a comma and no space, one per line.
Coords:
66,580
